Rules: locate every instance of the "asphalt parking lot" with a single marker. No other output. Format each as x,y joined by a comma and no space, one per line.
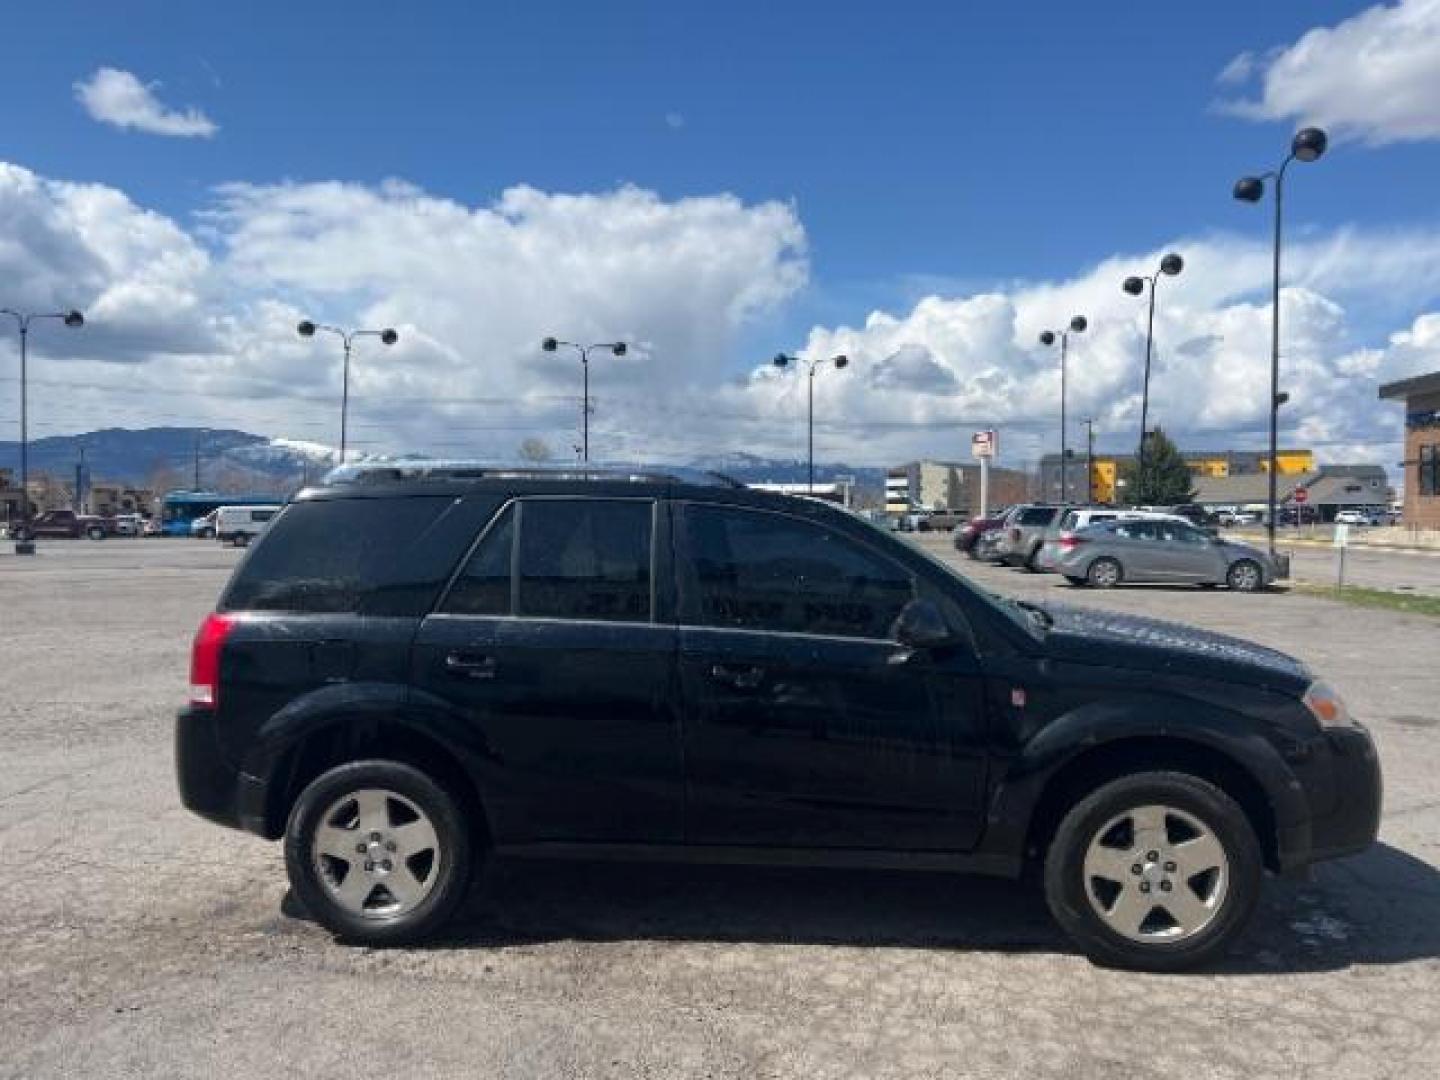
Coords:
140,941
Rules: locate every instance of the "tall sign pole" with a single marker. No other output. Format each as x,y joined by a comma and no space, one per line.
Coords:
983,445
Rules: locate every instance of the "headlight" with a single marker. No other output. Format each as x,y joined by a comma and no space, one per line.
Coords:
1326,706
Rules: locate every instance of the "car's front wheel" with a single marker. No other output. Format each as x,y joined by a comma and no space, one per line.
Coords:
1158,871
1245,576
378,852
1104,573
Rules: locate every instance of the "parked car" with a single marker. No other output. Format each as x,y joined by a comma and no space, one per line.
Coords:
127,524
939,521
1024,532
632,665
203,528
1119,552
62,524
239,525
1352,517
152,527
1194,513
1237,517
967,537
1081,517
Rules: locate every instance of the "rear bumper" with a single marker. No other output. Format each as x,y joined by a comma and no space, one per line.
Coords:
210,784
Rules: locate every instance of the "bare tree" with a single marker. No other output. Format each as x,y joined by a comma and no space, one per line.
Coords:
536,450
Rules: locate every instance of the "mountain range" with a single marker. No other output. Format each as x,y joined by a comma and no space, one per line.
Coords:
170,457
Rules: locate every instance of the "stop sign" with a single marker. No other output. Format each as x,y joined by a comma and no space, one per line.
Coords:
1301,495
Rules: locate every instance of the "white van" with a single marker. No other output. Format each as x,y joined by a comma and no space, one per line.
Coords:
239,525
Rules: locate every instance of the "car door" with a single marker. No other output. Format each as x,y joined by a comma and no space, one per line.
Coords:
1189,554
550,643
1136,546
804,724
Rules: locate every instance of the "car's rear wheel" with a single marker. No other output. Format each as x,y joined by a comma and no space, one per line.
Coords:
95,532
1104,573
1156,872
1245,576
378,852
1032,561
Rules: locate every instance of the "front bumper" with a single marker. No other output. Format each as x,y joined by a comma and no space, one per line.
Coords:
1354,823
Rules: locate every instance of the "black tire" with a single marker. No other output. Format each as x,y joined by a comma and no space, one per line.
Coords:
95,532
1099,573
1031,564
1079,582
1068,893
1245,575
453,860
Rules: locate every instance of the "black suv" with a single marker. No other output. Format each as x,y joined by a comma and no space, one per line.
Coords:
417,668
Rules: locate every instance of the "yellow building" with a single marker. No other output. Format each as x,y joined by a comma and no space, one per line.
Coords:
1105,470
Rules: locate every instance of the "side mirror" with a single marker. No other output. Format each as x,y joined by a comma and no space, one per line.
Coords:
920,625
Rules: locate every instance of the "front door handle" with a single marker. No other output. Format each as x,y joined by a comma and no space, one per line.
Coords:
740,676
470,665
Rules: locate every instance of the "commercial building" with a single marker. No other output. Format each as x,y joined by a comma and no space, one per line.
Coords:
1328,489
1421,396
1101,482
948,485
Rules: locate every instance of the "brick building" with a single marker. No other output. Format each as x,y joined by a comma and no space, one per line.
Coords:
1421,396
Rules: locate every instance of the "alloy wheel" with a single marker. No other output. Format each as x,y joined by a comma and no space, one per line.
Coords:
376,853
1156,874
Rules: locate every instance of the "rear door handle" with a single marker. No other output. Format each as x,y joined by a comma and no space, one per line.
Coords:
740,676
470,665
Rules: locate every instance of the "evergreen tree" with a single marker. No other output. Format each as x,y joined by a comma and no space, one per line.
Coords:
1166,480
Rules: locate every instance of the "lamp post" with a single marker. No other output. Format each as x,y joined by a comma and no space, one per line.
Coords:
388,336
1171,265
1307,145
24,545
782,361
550,344
1047,338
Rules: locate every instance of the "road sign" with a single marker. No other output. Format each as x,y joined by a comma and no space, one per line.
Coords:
1342,536
984,444
1301,496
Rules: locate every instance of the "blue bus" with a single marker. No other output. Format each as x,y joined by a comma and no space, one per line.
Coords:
179,508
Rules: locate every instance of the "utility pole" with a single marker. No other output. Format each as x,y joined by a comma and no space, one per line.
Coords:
80,485
1089,423
197,462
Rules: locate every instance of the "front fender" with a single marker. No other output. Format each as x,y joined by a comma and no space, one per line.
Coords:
1020,789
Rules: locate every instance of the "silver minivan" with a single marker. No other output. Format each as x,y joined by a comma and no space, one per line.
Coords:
1150,550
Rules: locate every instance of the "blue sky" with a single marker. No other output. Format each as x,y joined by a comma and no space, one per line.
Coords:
926,148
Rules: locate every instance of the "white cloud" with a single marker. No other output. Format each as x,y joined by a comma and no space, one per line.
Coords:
196,326
117,97
1374,77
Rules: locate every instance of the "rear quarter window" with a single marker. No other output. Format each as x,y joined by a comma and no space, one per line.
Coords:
1037,515
361,556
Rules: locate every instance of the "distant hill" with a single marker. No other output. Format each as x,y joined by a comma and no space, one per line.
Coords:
240,460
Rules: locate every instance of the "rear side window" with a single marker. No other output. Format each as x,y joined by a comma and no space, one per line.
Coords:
364,556
1037,515
562,559
1068,522
761,571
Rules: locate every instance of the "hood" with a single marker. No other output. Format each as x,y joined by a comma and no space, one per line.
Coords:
1087,636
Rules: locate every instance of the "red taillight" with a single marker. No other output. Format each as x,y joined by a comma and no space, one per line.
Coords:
1069,541
205,659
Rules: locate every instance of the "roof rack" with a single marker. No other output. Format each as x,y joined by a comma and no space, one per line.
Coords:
419,469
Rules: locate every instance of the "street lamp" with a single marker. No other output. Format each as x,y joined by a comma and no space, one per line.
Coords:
388,336
782,361
1170,264
1307,145
24,544
1047,338
550,344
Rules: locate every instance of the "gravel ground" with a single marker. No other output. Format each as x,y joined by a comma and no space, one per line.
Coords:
140,941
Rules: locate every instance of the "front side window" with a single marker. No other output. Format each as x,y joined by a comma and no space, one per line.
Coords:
754,570
483,586
1037,515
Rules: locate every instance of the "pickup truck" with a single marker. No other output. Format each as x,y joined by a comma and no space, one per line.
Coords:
65,524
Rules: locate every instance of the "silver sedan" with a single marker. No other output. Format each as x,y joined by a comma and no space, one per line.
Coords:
1116,552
